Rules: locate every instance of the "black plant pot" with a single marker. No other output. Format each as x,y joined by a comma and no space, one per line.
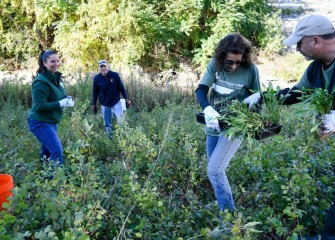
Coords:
269,131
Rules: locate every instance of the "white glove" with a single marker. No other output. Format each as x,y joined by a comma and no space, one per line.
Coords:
328,122
67,102
252,99
211,118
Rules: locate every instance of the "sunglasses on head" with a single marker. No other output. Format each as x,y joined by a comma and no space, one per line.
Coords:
230,63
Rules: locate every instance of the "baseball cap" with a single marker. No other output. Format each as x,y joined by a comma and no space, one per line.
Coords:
102,62
310,25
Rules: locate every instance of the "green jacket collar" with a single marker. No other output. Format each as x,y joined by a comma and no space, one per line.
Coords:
53,77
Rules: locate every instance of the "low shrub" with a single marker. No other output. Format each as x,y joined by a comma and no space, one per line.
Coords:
150,181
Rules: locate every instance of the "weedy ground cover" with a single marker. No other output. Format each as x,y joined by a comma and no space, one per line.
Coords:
150,181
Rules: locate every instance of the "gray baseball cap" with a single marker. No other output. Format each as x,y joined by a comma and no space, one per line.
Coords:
310,25
102,62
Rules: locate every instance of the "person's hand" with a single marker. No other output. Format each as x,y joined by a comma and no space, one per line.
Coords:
328,123
128,103
66,102
252,99
94,108
211,118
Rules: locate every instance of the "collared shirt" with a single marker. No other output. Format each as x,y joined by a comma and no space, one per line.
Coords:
107,89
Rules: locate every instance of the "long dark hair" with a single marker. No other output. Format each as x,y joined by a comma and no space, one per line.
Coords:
44,55
233,43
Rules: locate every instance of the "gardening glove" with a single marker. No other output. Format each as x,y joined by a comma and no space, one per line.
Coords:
128,103
211,118
328,122
67,102
94,109
252,99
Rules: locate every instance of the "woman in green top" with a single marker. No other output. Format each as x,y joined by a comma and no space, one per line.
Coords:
49,98
231,75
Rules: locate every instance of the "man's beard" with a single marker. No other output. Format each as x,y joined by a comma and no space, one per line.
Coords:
307,57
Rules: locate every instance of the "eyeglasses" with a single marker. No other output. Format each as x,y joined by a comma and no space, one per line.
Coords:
102,66
230,63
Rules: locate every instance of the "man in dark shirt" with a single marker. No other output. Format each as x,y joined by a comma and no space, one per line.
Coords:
314,37
107,86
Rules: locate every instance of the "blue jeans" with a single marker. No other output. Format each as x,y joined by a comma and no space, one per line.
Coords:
329,227
46,133
108,112
220,151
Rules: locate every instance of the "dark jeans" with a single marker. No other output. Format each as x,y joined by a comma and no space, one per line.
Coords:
328,232
46,133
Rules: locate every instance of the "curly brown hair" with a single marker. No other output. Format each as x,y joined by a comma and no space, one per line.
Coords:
233,43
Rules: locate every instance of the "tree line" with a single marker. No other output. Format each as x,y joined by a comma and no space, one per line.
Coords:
154,34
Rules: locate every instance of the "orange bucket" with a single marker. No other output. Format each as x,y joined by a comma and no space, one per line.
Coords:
6,185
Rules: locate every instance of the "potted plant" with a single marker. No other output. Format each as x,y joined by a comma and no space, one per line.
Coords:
261,123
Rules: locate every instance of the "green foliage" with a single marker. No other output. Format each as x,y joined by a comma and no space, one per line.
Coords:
157,35
289,12
288,66
242,122
17,39
146,94
271,105
93,33
150,180
319,99
256,20
13,90
318,102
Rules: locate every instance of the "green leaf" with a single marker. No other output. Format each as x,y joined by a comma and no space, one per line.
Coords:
251,224
138,235
54,215
9,219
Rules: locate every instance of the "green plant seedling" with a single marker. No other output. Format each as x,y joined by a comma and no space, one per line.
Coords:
320,102
261,123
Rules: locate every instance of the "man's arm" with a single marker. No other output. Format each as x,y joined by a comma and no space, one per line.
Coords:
290,96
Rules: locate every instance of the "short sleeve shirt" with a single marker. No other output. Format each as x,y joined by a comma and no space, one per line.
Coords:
306,83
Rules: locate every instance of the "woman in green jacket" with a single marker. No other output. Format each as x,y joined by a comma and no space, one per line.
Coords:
49,98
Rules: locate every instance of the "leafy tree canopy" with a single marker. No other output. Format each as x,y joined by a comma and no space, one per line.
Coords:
154,34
